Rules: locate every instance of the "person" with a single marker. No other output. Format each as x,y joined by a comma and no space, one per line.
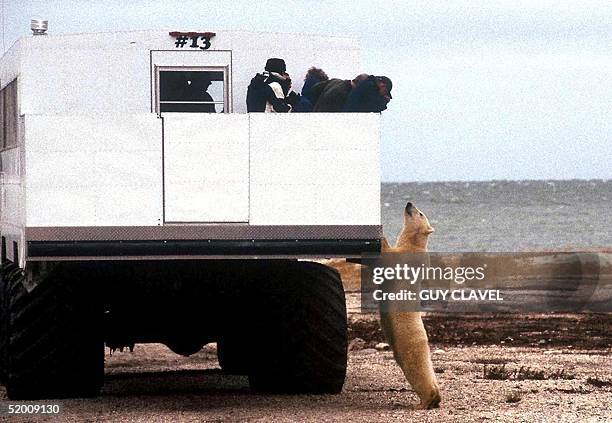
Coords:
331,95
199,88
369,96
281,87
305,102
267,91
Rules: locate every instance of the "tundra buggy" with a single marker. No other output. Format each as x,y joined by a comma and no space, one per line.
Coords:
132,212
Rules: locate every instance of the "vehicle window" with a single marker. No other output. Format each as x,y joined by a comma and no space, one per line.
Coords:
8,115
199,91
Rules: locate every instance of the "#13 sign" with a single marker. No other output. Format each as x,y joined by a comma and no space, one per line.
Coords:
199,40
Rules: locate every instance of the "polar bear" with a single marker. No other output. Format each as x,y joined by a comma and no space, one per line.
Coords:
404,330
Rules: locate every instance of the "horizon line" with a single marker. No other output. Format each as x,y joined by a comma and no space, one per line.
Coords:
501,180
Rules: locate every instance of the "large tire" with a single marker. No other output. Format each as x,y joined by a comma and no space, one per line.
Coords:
300,341
6,271
55,344
232,356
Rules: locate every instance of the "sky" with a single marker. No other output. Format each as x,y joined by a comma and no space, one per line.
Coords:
481,89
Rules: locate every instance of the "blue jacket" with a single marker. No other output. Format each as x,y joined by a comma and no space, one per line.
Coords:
308,84
306,104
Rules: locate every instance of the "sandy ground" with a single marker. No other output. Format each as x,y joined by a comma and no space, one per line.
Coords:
154,384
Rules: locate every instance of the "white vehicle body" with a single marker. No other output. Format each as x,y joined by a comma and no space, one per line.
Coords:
93,169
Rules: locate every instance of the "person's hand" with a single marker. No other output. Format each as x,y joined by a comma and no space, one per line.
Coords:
293,99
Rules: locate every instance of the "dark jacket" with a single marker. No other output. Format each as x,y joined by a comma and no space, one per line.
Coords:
305,103
365,98
310,82
330,96
259,93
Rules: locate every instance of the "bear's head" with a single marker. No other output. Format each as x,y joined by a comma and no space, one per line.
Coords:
415,221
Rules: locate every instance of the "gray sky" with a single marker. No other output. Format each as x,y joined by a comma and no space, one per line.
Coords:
482,90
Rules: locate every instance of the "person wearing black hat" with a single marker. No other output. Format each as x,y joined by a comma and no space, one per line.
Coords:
370,95
267,91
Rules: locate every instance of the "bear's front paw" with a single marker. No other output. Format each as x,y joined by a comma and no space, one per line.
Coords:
432,400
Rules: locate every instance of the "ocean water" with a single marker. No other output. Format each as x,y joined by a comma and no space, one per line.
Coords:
505,215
